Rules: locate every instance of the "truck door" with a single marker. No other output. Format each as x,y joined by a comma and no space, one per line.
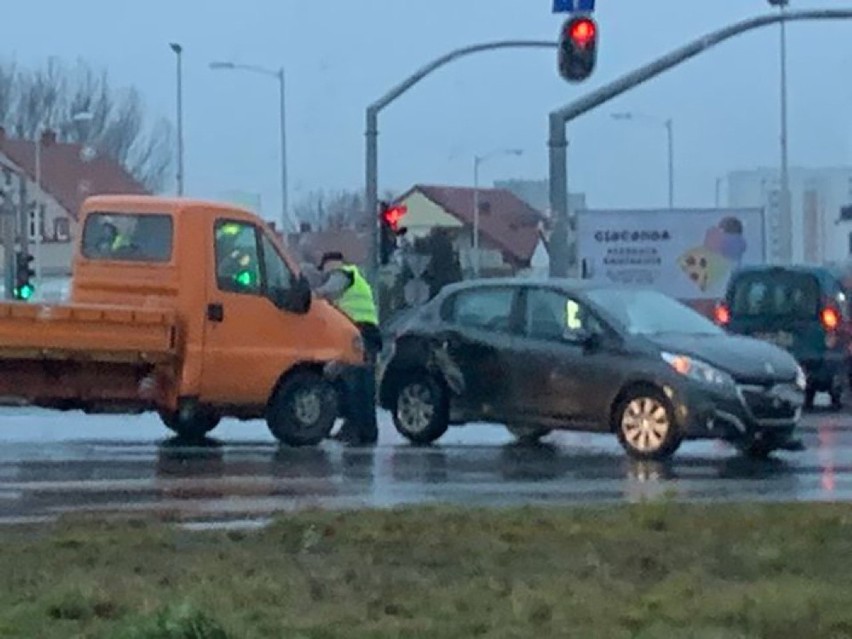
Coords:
248,341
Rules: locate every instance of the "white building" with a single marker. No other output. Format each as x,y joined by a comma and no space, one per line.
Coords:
817,197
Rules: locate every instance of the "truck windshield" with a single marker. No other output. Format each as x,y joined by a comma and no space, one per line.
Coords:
128,237
775,293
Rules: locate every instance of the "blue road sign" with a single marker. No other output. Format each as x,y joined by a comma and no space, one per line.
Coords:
573,6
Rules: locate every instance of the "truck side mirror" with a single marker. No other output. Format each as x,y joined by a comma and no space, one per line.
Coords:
296,299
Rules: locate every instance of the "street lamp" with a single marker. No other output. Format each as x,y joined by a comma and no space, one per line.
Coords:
178,49
278,75
477,161
669,125
82,116
786,204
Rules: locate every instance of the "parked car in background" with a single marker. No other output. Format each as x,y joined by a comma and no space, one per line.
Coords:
803,309
540,356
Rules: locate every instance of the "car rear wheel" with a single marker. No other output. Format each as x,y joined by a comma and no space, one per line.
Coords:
644,421
421,408
528,434
303,410
192,427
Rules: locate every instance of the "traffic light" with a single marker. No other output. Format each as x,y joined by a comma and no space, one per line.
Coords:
389,218
24,273
578,48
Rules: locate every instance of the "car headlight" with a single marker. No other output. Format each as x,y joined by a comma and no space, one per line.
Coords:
801,378
698,370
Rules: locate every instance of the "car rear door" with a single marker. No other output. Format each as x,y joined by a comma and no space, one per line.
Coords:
478,332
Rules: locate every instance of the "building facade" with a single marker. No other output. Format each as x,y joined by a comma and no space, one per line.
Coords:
69,173
817,197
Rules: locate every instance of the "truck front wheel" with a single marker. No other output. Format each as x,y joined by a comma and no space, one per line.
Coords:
303,410
191,427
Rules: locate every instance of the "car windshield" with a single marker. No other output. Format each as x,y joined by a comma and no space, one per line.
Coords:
651,313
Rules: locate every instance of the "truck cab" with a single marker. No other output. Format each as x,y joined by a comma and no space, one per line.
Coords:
192,309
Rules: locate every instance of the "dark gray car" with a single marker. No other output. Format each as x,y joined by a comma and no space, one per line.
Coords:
540,356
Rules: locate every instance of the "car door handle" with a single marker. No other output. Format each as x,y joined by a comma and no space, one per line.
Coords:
215,312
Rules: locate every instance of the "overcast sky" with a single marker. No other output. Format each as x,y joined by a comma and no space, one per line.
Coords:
341,55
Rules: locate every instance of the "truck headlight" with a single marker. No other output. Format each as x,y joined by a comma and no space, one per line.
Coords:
698,370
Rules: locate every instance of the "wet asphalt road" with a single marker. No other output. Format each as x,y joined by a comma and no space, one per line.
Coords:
52,464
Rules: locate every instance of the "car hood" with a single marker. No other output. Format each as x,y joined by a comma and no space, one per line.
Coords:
746,359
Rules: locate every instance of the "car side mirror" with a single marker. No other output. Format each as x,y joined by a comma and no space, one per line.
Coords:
296,299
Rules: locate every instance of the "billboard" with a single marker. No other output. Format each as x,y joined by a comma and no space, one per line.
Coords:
686,253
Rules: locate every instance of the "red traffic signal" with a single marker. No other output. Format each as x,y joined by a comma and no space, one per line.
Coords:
578,48
583,31
392,215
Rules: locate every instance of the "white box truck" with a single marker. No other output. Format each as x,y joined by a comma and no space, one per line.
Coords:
686,253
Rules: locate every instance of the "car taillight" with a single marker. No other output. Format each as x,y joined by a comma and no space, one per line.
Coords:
722,315
830,318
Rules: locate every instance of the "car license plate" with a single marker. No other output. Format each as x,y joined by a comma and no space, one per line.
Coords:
781,338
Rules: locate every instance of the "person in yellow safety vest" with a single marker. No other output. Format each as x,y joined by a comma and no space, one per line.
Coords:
347,288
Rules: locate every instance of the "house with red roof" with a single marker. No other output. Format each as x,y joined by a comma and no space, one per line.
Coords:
510,230
69,174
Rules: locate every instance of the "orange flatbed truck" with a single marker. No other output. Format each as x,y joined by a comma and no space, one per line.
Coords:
191,309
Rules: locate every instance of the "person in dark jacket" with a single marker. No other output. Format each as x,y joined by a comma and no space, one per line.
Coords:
347,288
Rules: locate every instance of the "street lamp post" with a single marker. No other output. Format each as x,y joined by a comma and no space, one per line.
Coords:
279,75
477,161
178,49
83,116
669,125
786,197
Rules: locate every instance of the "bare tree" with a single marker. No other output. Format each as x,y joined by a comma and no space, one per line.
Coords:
50,96
336,210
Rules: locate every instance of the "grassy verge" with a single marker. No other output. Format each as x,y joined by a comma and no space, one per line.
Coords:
655,570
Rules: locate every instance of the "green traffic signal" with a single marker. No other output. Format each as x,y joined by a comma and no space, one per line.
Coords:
24,292
244,278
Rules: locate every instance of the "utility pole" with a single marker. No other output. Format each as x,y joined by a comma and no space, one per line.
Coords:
282,114
7,228
178,49
786,196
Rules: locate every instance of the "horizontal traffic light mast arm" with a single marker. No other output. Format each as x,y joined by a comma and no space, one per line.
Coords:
678,56
436,64
560,253
372,149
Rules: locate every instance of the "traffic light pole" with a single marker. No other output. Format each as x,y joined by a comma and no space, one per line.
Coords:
7,227
372,151
563,247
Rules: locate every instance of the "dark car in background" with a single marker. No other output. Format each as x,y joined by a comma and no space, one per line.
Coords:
540,356
803,309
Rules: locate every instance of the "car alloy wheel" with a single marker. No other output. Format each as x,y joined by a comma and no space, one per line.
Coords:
415,408
645,425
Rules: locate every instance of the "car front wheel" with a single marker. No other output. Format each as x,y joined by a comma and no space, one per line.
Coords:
303,410
421,412
644,421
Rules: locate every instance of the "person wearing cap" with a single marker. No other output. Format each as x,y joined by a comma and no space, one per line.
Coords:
347,289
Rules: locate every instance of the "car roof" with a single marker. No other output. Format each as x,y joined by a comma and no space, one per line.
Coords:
565,285
823,272
810,269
